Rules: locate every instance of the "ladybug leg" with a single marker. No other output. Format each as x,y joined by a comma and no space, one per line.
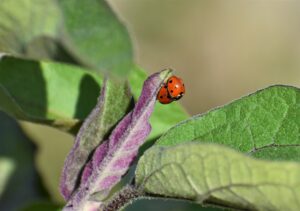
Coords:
179,96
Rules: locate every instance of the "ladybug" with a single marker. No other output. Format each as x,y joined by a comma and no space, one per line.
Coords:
172,90
163,96
176,87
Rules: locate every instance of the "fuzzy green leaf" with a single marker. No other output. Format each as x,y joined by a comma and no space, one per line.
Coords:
264,124
113,104
214,174
51,93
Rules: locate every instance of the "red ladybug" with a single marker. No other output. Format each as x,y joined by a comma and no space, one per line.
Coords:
172,90
176,87
163,96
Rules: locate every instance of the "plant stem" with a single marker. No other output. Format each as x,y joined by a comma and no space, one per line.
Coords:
122,198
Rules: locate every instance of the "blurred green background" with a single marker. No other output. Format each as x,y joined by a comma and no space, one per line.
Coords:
222,50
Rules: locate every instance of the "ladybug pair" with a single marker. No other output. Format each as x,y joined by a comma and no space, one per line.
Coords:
172,90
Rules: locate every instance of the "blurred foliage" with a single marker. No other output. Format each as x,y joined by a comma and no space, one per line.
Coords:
23,21
23,183
45,29
95,36
53,145
44,206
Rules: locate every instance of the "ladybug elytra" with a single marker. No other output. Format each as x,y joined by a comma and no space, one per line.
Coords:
163,96
172,90
175,87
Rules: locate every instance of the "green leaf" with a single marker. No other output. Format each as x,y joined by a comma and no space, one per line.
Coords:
51,93
20,182
74,31
164,116
95,36
23,21
264,124
214,174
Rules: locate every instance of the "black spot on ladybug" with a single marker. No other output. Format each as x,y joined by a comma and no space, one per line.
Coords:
170,81
171,91
161,97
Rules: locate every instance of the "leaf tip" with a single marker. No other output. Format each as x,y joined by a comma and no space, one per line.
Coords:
165,73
